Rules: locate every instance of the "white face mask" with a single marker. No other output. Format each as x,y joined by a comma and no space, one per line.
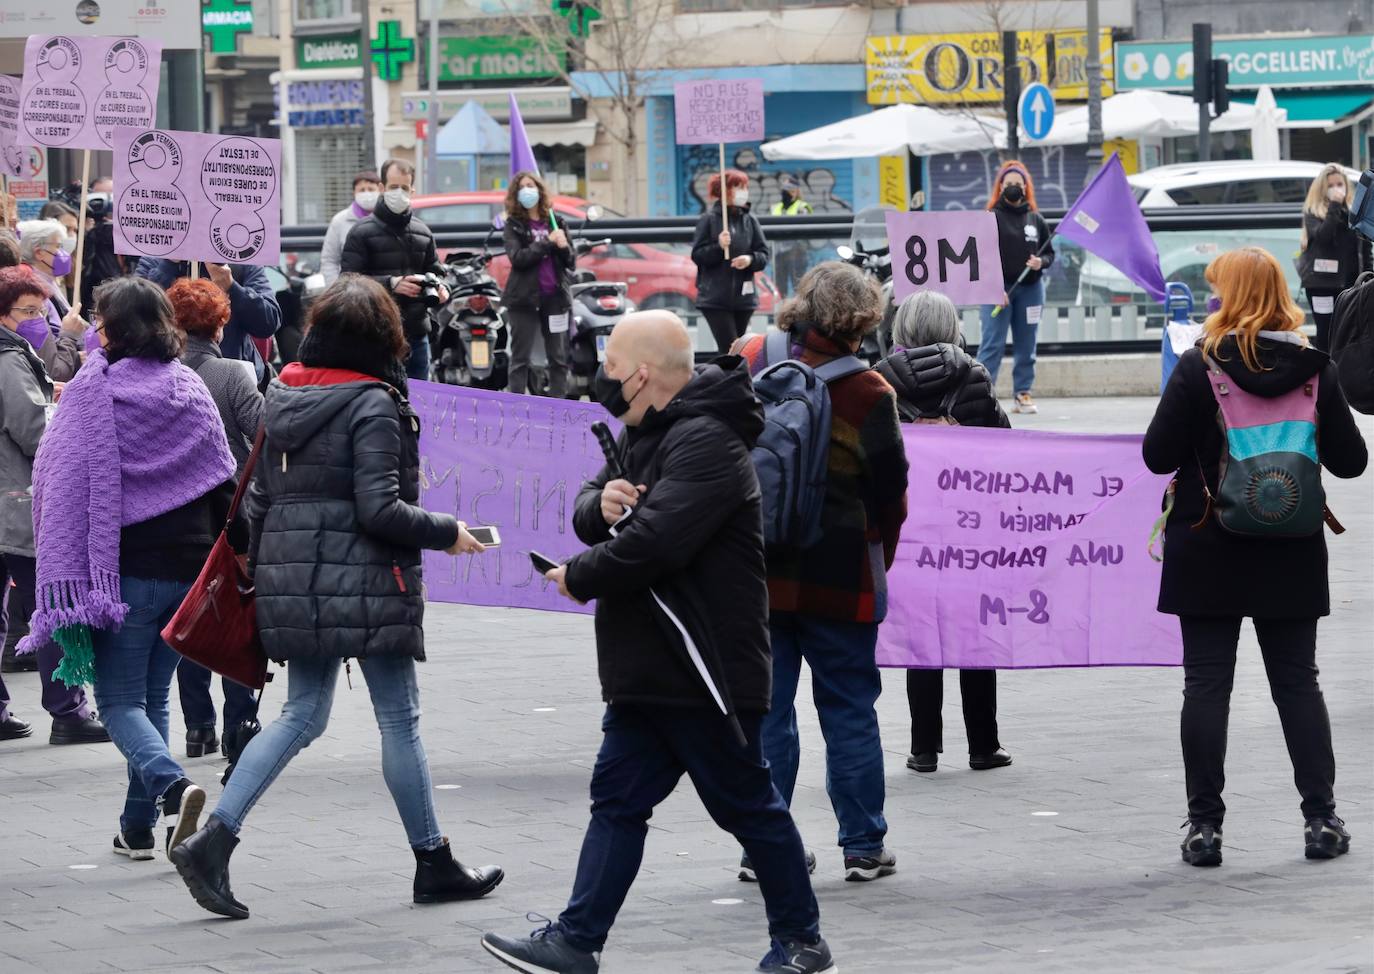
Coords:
740,197
1336,194
366,198
69,245
397,200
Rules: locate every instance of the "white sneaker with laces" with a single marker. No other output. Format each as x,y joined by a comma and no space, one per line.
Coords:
1025,404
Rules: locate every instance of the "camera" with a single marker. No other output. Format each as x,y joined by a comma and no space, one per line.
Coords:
429,290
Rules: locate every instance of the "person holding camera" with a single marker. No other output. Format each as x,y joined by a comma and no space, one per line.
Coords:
537,297
1332,253
397,251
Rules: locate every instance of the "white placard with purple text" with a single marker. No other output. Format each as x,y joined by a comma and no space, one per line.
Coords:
13,156
709,112
953,252
79,90
193,196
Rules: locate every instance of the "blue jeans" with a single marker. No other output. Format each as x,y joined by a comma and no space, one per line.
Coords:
845,683
133,681
644,752
198,705
310,695
417,366
1023,333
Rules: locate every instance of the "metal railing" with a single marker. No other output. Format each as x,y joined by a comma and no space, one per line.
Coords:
1089,308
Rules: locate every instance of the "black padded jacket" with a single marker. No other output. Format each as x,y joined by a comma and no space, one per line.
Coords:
336,530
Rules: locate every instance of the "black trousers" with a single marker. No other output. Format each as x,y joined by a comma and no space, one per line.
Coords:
1289,648
1323,321
925,695
727,325
526,324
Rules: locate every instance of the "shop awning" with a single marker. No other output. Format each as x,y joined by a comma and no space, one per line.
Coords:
582,132
1319,109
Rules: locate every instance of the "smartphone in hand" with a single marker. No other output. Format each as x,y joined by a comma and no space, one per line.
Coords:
542,563
487,537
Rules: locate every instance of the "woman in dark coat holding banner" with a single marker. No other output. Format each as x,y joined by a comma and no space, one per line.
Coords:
727,291
1023,238
937,382
340,466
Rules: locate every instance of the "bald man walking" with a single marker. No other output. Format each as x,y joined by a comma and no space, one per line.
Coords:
694,529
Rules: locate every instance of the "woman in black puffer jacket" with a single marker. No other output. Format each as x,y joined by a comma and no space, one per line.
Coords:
337,536
937,382
1333,254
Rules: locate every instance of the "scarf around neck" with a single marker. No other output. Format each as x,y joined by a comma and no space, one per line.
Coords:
129,441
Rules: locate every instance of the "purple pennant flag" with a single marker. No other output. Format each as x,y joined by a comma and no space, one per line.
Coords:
1106,220
521,155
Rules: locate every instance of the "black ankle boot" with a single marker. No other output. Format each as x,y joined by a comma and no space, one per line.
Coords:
201,741
203,862
235,740
439,878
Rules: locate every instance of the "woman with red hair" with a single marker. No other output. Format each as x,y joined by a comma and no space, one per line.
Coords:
202,310
1253,351
726,292
1023,238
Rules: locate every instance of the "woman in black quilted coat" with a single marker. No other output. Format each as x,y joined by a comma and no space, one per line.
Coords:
938,382
337,536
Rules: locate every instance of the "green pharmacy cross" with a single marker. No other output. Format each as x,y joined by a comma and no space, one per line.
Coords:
580,15
390,50
223,21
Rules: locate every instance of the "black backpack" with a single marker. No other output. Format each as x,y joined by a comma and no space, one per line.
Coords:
1352,342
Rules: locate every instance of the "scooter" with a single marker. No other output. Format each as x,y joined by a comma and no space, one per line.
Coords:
472,340
597,307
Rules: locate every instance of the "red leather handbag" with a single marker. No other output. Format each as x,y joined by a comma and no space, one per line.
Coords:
216,625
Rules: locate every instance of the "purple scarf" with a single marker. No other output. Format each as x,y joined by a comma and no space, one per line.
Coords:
129,441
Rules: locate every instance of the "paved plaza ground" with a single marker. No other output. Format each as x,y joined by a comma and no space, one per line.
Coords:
1066,861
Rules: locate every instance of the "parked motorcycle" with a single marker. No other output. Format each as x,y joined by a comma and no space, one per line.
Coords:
472,342
597,307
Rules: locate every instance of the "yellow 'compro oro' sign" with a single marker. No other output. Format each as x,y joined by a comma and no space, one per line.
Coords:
944,69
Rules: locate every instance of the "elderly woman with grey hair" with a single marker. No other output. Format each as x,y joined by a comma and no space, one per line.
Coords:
938,382
43,245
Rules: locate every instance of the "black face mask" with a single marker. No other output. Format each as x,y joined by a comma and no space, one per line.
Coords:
611,393
1014,194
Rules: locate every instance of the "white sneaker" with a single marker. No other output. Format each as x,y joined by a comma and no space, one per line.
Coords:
1025,404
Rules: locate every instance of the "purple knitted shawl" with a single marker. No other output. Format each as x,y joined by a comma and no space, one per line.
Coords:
128,442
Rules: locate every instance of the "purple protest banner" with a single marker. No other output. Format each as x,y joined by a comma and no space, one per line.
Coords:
1026,549
514,463
709,112
953,252
193,196
79,90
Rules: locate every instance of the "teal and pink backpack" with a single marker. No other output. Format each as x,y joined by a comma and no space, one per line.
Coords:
1269,478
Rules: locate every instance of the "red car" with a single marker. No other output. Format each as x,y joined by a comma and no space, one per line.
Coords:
659,276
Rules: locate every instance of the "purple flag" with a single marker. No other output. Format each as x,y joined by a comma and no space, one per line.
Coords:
521,155
1106,220
1026,549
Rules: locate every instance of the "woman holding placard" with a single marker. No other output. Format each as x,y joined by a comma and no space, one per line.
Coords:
537,298
1332,255
728,251
1023,237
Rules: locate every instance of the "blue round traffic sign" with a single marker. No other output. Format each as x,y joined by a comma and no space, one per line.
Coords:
1037,111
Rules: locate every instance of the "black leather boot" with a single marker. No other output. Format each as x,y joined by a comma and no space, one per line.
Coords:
439,878
203,862
235,740
201,741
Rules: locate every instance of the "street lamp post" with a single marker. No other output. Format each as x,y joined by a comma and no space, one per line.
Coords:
1094,67
432,123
